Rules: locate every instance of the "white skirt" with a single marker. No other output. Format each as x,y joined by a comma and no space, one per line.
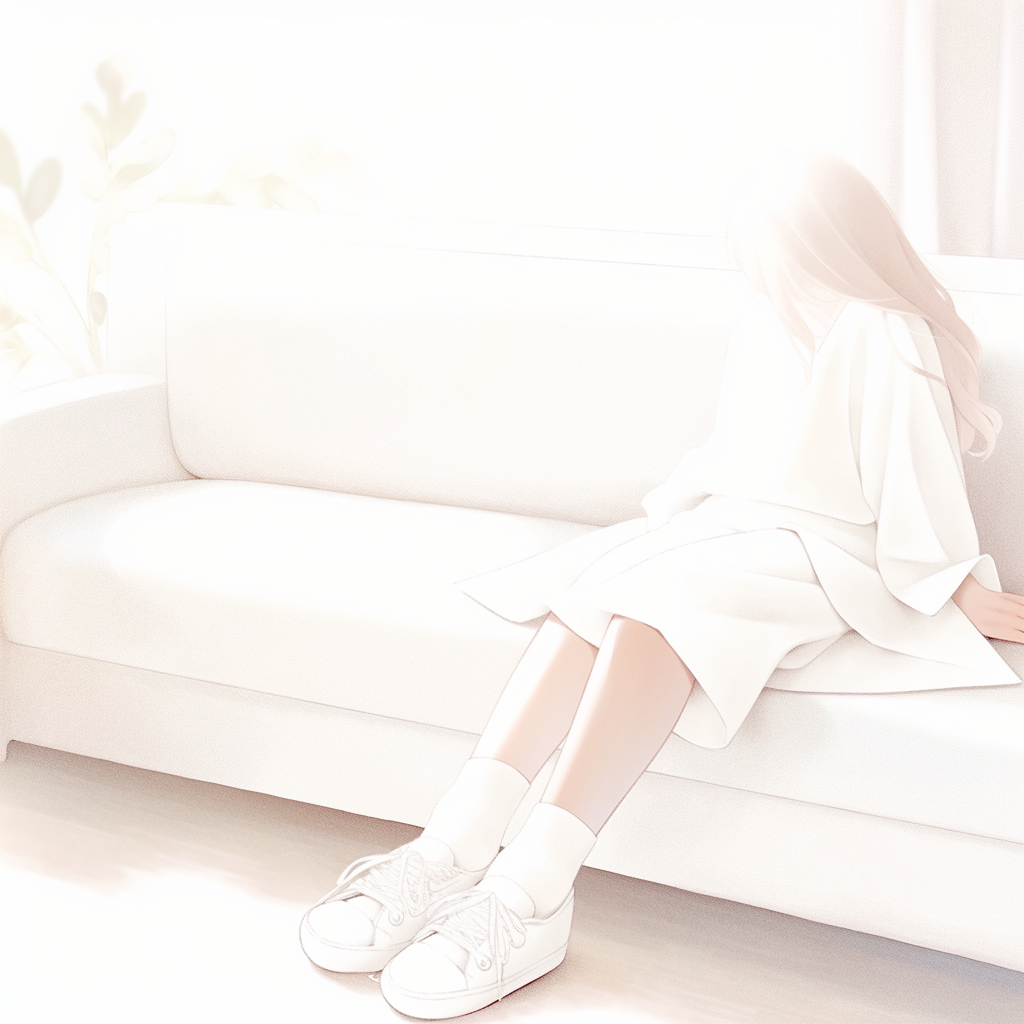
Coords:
743,609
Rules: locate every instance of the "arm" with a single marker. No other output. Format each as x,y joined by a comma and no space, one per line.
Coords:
676,494
79,437
994,614
911,471
685,487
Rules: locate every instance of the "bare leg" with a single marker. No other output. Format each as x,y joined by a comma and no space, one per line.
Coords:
615,708
349,929
634,697
636,692
537,706
530,719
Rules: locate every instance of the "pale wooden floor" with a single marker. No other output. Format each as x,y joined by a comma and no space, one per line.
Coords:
129,896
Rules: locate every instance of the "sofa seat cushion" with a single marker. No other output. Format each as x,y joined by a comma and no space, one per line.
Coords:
349,601
334,598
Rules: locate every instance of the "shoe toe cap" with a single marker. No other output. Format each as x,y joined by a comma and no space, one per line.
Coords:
339,923
425,970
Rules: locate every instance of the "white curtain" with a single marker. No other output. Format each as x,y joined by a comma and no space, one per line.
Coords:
944,91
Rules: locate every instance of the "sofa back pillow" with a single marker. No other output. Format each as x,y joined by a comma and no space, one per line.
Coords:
995,486
563,388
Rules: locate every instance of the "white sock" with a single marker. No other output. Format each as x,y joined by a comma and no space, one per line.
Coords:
472,816
541,863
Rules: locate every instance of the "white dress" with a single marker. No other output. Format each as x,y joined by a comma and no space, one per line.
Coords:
811,544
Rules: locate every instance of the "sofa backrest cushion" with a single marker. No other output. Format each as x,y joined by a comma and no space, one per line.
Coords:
551,387
304,351
995,486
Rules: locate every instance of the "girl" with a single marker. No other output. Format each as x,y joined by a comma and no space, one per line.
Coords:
828,503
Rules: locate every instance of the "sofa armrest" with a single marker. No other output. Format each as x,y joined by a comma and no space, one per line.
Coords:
80,437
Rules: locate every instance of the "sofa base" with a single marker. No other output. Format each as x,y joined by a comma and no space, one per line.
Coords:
932,887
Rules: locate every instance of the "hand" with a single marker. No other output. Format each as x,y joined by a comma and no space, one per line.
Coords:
995,615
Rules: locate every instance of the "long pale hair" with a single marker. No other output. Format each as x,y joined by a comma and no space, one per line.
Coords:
807,222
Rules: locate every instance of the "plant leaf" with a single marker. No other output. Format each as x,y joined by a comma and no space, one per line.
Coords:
124,117
300,156
10,172
307,159
41,190
9,223
12,232
9,317
143,158
94,129
98,307
111,77
185,191
92,172
328,162
15,247
14,354
117,205
287,196
11,339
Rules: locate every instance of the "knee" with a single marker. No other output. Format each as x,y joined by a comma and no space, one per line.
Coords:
625,630
644,646
565,638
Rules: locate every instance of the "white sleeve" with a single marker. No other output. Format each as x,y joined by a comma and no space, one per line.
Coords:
679,493
686,486
912,473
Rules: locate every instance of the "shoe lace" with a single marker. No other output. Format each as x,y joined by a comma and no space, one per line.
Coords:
478,922
401,881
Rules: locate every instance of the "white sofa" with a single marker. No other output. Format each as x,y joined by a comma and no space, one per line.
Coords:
232,556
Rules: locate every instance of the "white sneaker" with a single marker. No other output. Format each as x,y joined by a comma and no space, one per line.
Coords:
473,951
337,933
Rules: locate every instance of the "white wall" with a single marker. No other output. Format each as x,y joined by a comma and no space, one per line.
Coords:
635,114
